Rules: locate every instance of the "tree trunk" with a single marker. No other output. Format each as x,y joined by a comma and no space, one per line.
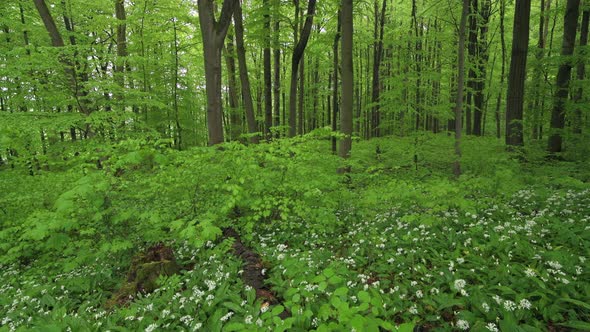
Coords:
277,76
57,41
581,73
267,71
482,62
296,58
235,115
377,56
347,79
244,79
178,131
460,87
503,72
213,33
534,106
121,48
517,73
335,103
570,23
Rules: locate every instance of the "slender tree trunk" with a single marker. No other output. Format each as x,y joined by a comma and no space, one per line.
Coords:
235,114
244,79
277,76
503,71
57,41
570,23
535,100
517,74
213,33
377,56
121,48
347,79
335,103
482,63
460,87
296,58
178,131
473,75
418,64
301,98
581,73
267,71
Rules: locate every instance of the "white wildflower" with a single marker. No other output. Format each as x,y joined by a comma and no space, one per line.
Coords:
524,304
460,284
509,305
492,327
462,324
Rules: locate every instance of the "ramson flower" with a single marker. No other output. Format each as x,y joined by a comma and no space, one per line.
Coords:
462,324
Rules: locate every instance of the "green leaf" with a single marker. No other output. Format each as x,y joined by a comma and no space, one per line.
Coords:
277,310
234,327
406,327
364,296
576,302
580,325
341,291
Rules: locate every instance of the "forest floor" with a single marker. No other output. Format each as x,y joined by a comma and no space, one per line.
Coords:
395,245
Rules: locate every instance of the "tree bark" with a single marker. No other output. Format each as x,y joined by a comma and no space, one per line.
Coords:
235,115
482,62
277,76
570,23
244,79
347,79
377,56
581,73
517,74
460,87
213,33
57,41
503,72
335,103
267,71
296,58
121,48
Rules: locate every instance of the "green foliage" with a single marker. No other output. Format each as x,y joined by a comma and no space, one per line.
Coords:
392,245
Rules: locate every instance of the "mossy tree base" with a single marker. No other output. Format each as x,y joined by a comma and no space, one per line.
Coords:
144,272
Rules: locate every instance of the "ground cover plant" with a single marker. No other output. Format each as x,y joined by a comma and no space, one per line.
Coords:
393,245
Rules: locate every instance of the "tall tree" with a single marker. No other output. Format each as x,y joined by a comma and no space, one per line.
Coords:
244,79
570,22
517,73
481,66
277,72
213,33
295,60
57,41
121,45
581,72
235,115
377,57
460,87
503,70
347,79
335,103
267,71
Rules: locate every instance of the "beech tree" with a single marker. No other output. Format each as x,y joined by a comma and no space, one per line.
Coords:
347,79
213,33
570,22
295,60
517,73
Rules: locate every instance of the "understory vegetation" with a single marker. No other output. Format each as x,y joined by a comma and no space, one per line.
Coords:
396,244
